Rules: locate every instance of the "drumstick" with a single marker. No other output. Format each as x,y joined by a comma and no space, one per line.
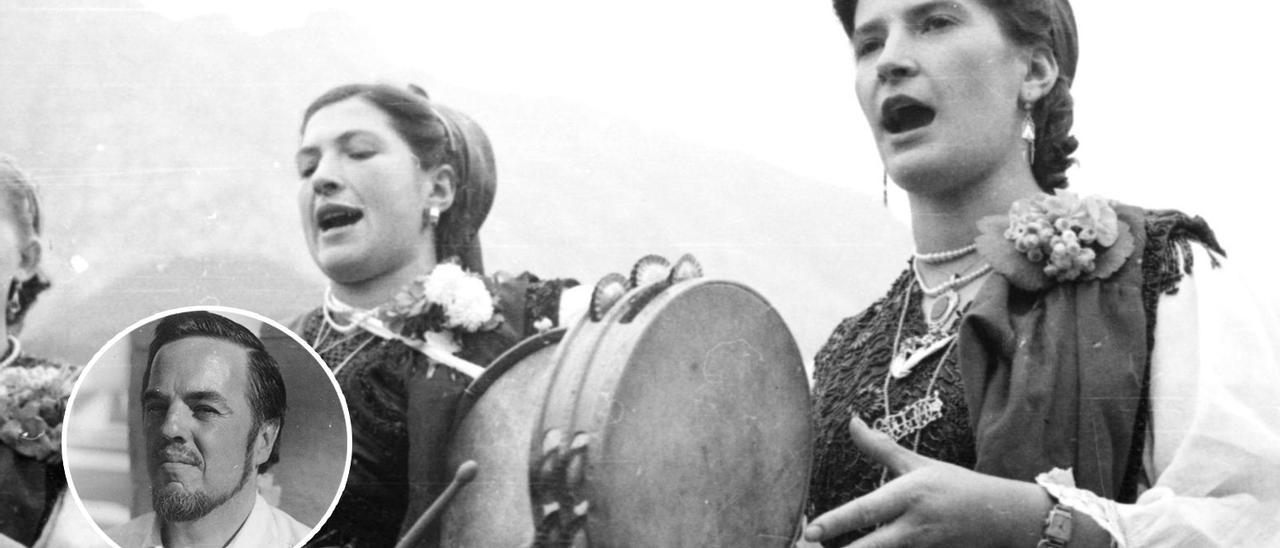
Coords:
466,472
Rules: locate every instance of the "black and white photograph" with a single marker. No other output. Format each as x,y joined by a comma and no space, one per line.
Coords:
203,427
672,273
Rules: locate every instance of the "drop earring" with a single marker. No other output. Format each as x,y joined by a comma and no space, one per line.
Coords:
884,188
15,303
1029,132
431,217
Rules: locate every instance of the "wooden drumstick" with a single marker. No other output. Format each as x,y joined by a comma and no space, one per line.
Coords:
466,472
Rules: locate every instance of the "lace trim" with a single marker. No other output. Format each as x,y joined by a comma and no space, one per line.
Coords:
1061,485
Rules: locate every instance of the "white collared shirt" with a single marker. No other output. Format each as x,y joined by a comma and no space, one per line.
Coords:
266,527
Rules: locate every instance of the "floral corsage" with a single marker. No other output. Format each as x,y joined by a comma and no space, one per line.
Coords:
449,298
1055,238
32,403
433,310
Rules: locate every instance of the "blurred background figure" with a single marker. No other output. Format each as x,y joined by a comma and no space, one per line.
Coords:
34,509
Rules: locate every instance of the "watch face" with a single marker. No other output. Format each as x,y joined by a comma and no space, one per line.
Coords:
1057,528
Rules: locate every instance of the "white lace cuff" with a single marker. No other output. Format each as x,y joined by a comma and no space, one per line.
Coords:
1061,485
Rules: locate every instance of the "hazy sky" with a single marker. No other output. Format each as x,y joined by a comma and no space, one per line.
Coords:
1173,97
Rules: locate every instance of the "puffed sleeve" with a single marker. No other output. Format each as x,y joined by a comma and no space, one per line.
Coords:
1213,446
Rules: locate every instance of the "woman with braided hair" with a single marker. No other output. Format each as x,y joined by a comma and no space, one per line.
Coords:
394,188
1048,369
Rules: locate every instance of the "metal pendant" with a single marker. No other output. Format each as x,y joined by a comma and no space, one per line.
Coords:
912,418
915,349
944,309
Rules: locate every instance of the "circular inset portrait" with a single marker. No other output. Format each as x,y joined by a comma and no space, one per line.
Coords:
207,426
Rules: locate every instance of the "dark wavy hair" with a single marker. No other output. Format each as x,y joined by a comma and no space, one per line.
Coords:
266,395
1046,23
20,195
437,135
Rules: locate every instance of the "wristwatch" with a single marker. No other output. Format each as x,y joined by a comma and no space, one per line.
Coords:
1057,528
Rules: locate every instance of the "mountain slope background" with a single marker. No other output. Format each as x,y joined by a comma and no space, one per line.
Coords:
163,152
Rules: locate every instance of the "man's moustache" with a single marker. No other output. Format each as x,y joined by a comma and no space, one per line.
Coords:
179,454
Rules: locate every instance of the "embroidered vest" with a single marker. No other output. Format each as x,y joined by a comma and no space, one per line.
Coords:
984,393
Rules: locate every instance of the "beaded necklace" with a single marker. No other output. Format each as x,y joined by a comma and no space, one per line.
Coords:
941,320
944,256
330,325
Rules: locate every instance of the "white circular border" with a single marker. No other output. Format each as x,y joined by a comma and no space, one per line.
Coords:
223,310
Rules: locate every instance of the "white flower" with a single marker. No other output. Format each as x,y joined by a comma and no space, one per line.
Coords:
440,285
447,298
469,306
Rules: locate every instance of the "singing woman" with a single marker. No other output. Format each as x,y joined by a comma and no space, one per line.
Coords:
1049,368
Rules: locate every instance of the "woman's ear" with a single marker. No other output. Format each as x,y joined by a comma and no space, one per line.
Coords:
30,258
441,187
1042,74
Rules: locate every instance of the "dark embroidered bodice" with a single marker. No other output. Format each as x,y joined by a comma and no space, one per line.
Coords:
387,384
850,371
849,375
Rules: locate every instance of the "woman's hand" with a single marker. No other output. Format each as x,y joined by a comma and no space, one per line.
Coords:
932,503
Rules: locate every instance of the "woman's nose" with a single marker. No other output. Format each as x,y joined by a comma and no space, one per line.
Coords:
325,180
897,59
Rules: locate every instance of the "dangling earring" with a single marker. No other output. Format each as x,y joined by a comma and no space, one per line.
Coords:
15,304
1029,132
431,217
884,188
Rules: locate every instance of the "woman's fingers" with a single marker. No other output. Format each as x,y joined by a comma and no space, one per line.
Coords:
882,506
893,535
881,448
874,508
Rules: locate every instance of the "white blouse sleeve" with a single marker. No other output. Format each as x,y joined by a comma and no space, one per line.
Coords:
1213,449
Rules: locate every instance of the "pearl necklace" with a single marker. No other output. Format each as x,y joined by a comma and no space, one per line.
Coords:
956,282
330,311
944,256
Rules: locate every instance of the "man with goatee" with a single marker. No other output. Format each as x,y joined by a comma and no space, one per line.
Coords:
212,406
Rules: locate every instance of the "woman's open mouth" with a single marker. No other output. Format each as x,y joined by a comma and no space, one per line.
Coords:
331,216
900,114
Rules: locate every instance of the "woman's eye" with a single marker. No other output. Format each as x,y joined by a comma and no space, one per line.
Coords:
866,46
361,154
306,166
935,22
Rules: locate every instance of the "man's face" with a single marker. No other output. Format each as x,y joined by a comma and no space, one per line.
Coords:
198,426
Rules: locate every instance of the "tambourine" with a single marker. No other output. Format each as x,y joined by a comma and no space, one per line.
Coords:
675,414
496,420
